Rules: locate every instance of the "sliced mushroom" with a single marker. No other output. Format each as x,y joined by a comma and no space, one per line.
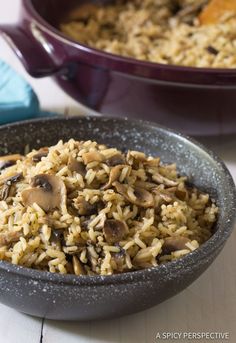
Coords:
114,230
13,179
173,244
7,185
48,192
143,197
115,174
78,267
118,259
146,185
5,192
85,208
9,237
43,152
9,160
92,156
76,166
181,194
115,160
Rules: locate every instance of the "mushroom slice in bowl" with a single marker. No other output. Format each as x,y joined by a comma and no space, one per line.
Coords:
43,152
138,196
48,192
76,166
9,160
174,243
7,184
114,230
115,173
115,160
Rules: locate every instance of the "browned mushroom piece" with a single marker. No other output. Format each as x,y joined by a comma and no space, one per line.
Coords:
118,259
115,174
181,194
9,160
9,237
57,237
5,192
114,230
115,160
143,197
43,152
162,196
48,192
14,178
7,185
76,166
85,208
92,156
145,184
173,244
77,266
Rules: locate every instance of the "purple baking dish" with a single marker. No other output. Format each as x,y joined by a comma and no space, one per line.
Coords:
194,100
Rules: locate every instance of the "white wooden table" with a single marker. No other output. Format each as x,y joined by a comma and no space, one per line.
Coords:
209,305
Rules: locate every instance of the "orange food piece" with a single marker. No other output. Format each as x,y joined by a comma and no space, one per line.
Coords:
215,10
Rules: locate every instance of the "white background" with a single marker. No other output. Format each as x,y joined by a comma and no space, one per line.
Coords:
207,305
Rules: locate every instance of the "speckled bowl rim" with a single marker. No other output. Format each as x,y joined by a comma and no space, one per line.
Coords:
218,238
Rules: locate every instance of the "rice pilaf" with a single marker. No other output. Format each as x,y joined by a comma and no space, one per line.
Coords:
83,208
159,31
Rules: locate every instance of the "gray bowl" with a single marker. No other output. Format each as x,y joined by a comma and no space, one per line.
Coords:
71,297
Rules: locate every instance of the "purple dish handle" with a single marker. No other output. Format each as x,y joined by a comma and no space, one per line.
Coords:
24,45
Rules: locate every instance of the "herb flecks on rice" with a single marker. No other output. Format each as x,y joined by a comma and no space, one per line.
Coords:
85,209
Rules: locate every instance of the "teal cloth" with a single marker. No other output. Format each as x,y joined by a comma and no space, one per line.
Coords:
18,101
